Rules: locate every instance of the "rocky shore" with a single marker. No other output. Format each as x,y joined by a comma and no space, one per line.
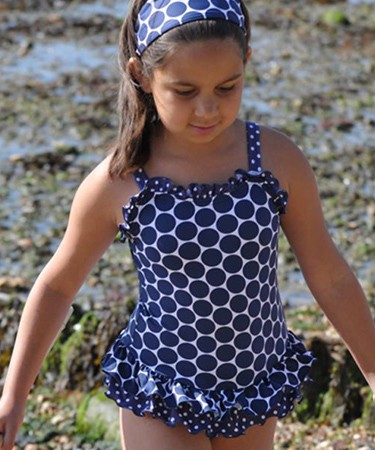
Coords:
312,76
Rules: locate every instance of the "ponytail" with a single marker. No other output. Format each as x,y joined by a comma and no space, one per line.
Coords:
136,108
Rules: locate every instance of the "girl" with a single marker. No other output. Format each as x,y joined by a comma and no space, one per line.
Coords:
199,196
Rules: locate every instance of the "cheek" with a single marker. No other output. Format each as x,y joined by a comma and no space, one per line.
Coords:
171,114
232,105
168,106
163,101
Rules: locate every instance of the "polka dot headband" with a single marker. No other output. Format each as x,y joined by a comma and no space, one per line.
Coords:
156,17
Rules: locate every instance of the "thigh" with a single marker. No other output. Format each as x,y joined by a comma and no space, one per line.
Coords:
140,433
257,437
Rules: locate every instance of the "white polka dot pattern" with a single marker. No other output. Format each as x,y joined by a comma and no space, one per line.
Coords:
156,17
208,332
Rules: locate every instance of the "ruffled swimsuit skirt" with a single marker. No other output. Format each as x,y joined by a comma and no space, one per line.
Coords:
207,344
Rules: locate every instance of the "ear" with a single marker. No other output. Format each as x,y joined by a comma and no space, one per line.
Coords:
135,68
249,53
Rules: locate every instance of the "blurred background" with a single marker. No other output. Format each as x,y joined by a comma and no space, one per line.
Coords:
312,76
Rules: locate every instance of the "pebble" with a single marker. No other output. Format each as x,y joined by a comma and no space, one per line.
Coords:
12,282
47,407
25,243
58,418
25,48
4,298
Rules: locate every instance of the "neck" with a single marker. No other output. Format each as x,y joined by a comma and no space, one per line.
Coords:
185,163
166,145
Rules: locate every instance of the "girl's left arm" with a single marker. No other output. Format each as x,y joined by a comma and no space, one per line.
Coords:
327,274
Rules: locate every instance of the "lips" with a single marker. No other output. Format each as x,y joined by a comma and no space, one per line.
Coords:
204,127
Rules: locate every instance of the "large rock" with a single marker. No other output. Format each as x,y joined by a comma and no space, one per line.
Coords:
338,392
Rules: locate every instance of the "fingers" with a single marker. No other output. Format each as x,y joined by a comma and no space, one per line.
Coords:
7,441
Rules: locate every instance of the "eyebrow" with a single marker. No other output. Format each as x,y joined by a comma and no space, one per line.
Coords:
186,83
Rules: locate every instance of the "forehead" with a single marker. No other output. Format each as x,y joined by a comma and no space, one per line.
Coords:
213,58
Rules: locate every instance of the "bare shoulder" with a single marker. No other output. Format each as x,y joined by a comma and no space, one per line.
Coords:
104,193
283,157
93,224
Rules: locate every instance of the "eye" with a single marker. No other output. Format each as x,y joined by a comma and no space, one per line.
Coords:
184,93
225,89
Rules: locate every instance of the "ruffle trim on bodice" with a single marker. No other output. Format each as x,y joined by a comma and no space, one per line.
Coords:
146,391
200,191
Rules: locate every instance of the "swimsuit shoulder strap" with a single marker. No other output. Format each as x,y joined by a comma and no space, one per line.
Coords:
253,146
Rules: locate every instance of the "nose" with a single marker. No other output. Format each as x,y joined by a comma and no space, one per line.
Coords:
206,106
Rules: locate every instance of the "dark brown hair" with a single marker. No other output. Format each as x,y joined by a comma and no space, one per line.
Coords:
136,109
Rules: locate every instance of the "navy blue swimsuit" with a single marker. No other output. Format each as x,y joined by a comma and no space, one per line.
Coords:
207,344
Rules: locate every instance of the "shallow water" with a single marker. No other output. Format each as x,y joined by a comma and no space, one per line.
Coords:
116,8
47,61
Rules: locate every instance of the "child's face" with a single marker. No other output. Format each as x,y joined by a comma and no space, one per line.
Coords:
197,91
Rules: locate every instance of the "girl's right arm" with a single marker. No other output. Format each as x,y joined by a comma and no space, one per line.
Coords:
91,228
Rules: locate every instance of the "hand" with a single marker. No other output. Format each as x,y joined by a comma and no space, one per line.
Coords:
11,418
